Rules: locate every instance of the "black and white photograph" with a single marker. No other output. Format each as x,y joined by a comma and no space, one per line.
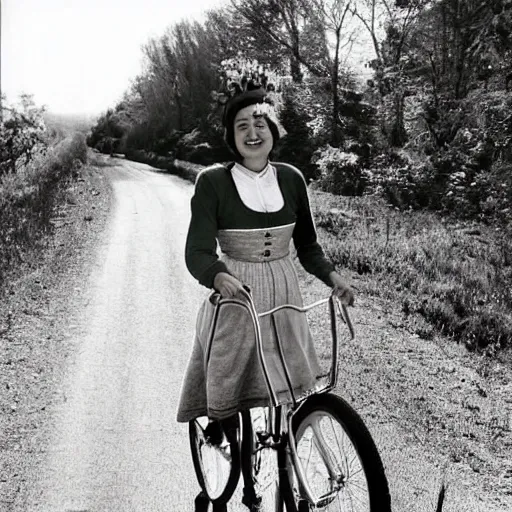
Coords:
256,256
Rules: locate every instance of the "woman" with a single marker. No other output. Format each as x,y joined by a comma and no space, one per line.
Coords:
252,208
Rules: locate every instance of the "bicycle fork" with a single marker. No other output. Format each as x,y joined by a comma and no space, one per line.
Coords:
336,476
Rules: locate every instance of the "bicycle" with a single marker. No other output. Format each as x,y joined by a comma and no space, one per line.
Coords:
312,454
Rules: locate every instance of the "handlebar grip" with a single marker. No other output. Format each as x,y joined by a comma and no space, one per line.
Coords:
215,296
343,310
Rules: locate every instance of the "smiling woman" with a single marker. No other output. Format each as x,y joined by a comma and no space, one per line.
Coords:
252,208
251,132
79,57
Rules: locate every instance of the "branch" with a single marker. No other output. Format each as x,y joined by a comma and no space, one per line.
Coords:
260,24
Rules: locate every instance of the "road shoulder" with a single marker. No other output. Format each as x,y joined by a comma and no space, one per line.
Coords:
37,311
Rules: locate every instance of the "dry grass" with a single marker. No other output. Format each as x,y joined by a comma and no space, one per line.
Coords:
28,198
456,277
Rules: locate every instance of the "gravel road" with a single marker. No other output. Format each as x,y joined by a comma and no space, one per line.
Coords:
116,445
112,443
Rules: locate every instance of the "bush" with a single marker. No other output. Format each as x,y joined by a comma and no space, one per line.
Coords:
194,148
22,134
108,133
404,182
340,172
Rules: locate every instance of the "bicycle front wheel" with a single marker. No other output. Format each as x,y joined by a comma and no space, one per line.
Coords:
217,465
338,459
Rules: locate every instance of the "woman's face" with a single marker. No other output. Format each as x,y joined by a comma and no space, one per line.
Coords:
253,137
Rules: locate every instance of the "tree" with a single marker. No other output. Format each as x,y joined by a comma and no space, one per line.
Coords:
335,15
395,21
282,21
22,132
233,34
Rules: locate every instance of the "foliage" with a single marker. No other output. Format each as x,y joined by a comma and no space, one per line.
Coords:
22,134
234,33
297,146
28,198
433,130
340,172
106,135
403,182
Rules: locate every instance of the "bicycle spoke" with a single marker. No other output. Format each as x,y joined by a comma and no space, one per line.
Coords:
264,461
215,462
331,465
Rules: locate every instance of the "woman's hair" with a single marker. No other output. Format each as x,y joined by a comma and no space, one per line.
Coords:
237,103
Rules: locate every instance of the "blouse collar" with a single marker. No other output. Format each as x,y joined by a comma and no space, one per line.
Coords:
239,168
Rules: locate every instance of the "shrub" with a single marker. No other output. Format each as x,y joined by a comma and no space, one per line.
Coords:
22,134
403,182
340,172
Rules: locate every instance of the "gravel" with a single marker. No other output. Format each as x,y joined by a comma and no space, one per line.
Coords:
37,307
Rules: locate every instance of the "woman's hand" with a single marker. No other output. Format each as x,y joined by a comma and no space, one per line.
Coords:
341,289
227,285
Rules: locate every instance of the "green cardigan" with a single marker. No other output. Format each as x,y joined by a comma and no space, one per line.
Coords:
217,205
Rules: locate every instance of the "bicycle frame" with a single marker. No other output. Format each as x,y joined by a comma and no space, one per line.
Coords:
249,306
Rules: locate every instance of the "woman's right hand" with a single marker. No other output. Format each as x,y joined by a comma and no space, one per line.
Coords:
227,285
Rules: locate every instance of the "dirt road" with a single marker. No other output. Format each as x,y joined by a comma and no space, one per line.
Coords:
114,445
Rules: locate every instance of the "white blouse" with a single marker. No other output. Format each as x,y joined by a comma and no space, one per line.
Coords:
258,191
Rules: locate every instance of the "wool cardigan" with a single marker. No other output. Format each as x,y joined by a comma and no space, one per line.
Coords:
216,205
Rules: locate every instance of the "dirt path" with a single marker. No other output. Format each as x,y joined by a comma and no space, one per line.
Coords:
88,408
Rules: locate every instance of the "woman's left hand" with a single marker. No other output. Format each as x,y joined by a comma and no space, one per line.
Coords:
341,289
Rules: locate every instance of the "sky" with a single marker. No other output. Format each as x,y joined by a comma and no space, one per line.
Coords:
78,57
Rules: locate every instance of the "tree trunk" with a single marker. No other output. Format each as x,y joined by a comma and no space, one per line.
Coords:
295,70
1,103
177,99
295,58
335,135
444,43
398,133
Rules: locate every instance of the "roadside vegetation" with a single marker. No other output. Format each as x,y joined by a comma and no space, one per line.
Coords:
422,144
36,166
445,275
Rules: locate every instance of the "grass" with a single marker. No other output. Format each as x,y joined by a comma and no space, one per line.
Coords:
29,196
456,277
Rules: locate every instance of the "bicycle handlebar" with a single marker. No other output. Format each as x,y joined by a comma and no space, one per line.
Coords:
216,299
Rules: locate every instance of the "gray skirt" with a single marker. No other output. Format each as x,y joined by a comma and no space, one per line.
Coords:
234,379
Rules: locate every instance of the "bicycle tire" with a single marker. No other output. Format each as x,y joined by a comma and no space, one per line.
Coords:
263,470
328,411
217,467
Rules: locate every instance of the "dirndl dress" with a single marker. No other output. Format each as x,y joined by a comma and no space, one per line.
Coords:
234,380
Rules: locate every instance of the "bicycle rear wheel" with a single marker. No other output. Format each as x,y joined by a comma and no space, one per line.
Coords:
338,459
217,465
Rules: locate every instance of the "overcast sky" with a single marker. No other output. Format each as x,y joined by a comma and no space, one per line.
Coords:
78,56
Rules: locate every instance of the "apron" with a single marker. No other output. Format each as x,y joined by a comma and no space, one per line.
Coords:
259,258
